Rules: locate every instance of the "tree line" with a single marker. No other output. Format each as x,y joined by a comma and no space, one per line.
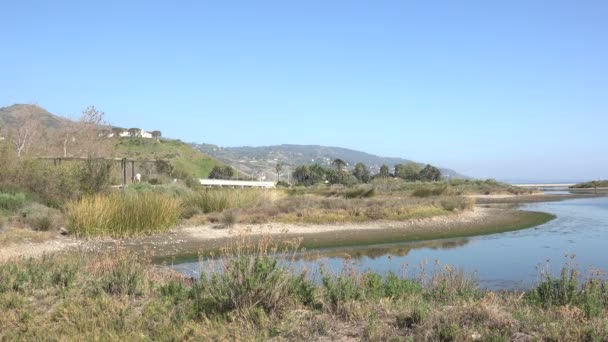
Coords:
339,174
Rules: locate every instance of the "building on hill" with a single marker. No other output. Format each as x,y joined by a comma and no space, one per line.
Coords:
133,133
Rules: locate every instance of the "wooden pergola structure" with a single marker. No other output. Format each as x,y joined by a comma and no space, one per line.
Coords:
124,164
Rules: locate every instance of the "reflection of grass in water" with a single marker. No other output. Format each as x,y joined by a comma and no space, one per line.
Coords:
393,250
508,221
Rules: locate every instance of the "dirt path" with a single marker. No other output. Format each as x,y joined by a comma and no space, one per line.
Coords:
36,249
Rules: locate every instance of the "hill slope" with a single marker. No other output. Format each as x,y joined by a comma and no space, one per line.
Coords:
184,158
261,160
11,115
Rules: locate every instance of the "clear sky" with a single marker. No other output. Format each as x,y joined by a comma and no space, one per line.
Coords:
503,89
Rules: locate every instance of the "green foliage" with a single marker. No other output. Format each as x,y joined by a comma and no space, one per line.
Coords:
314,174
426,190
11,202
221,172
255,295
361,172
348,286
430,174
561,291
408,171
174,157
359,192
41,181
591,296
384,171
247,282
94,175
120,215
125,278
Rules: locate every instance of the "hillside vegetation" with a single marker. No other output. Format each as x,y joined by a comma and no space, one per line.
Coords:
184,159
592,184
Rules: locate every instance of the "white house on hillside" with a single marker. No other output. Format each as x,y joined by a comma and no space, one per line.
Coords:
138,133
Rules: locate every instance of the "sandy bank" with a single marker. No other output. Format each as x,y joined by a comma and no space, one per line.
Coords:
205,238
36,249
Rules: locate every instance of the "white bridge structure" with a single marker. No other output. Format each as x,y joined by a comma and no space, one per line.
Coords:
237,183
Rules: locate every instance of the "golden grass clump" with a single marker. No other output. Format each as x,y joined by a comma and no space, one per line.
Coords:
121,215
218,200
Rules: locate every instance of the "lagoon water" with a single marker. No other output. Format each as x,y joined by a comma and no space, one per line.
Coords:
499,261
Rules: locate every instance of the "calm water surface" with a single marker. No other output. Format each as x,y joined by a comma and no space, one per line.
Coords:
505,260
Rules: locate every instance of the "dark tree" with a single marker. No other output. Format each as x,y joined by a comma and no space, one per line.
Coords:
156,134
302,175
134,132
361,172
408,171
219,172
384,171
430,173
278,168
339,164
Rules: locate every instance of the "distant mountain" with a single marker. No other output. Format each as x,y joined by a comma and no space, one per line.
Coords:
261,161
11,115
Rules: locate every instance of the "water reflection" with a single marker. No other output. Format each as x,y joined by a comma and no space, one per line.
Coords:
505,260
381,251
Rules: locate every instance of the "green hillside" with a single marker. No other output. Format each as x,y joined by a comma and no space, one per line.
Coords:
184,158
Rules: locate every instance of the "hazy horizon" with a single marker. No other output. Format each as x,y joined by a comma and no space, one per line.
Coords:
507,90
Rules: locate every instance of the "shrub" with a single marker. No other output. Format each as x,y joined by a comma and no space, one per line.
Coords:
40,217
12,201
94,175
561,291
229,218
430,190
120,215
360,192
249,277
453,203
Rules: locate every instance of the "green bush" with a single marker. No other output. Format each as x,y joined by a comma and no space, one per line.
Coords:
12,201
561,291
247,282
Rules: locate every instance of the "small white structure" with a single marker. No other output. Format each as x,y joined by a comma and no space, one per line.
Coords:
144,134
237,183
124,134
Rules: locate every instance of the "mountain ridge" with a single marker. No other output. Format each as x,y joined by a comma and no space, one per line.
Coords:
261,160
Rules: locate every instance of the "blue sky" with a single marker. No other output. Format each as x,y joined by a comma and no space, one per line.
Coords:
502,89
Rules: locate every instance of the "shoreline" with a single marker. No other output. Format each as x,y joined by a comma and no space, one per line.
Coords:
193,241
484,219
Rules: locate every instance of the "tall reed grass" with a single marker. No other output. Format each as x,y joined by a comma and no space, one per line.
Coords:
121,215
217,200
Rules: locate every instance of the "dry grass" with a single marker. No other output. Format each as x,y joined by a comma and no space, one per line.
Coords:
314,209
12,235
